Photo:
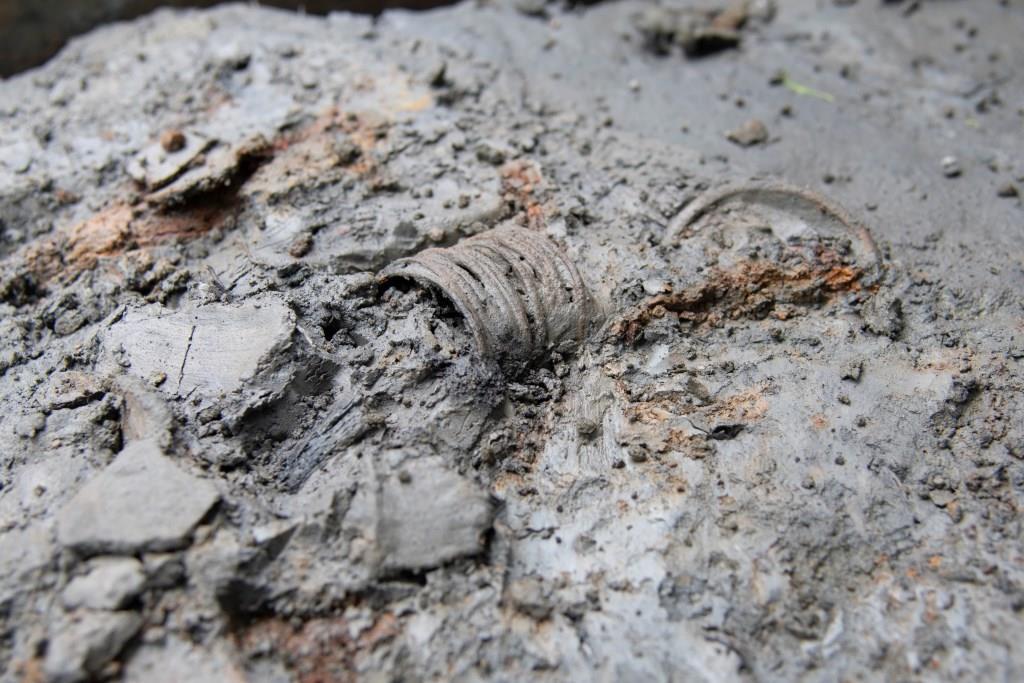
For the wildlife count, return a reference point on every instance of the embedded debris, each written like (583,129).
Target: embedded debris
(699,32)
(163,161)
(751,133)
(520,294)
(791,213)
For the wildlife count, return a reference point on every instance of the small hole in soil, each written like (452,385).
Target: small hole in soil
(331,327)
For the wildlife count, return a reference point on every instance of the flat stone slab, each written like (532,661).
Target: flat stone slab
(211,349)
(141,502)
(430,515)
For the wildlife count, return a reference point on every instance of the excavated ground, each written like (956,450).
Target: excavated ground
(229,451)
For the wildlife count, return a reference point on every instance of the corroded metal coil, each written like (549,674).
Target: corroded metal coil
(519,293)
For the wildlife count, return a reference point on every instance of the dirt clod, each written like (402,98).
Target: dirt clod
(751,133)
(172,140)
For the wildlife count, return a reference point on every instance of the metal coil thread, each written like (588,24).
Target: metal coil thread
(519,293)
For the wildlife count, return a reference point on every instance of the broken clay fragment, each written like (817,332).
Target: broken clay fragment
(141,502)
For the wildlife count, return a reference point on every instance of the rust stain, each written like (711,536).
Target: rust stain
(114,231)
(104,233)
(320,650)
(748,405)
(650,412)
(690,445)
(334,140)
(751,290)
(819,421)
(133,223)
(656,424)
(522,184)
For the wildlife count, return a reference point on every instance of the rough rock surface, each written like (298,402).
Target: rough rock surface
(784,451)
(86,642)
(111,583)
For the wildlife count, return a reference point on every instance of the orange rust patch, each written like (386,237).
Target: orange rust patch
(293,158)
(320,650)
(114,231)
(521,183)
(105,233)
(311,154)
(746,406)
(417,104)
(649,412)
(690,445)
(30,671)
(365,130)
(819,421)
(753,289)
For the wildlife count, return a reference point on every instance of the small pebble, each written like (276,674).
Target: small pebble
(172,140)
(301,245)
(638,454)
(1009,191)
(751,133)
(951,166)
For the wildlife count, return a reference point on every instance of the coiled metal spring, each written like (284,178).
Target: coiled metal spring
(519,293)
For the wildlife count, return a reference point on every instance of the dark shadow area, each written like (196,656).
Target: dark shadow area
(32,31)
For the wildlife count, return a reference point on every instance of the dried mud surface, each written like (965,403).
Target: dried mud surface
(230,451)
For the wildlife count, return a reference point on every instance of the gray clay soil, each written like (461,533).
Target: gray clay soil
(779,448)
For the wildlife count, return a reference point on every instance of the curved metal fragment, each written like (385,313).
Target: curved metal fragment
(518,292)
(788,208)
